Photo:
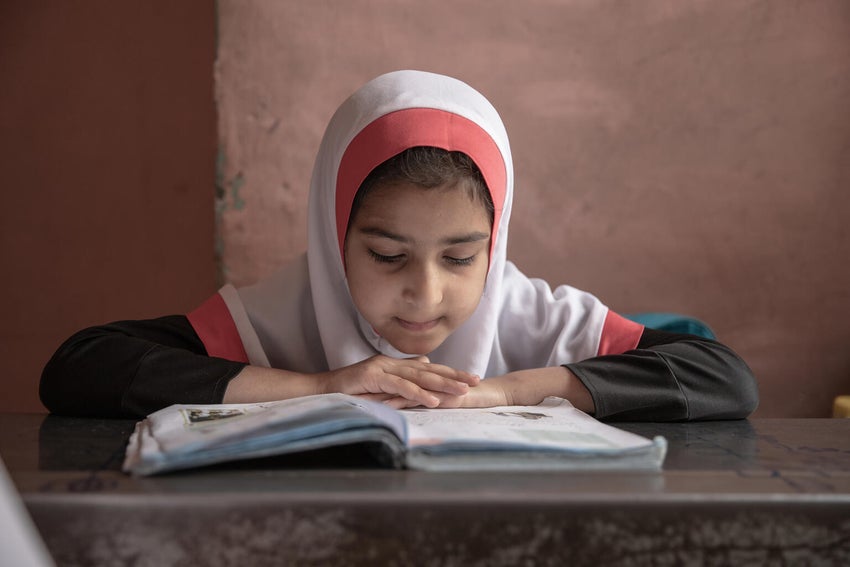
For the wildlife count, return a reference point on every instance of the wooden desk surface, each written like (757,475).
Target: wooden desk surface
(734,492)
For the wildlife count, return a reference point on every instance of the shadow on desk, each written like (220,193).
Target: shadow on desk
(709,445)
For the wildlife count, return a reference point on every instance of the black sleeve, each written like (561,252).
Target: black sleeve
(133,368)
(670,377)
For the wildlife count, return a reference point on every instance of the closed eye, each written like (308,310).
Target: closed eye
(385,259)
(460,261)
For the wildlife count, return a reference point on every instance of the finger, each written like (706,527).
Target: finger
(450,401)
(395,402)
(431,381)
(453,373)
(397,385)
(401,403)
(438,378)
(421,363)
(377,397)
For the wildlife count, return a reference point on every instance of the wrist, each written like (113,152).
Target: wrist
(530,387)
(322,383)
(260,384)
(577,393)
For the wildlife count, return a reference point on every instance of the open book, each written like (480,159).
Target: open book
(552,435)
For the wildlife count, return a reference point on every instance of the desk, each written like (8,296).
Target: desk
(760,492)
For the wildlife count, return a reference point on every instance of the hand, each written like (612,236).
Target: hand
(523,388)
(489,393)
(399,383)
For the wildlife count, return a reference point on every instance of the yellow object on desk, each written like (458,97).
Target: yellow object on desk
(841,407)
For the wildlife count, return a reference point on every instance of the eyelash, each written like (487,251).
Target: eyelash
(382,259)
(460,261)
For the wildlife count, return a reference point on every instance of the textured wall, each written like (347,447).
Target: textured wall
(675,156)
(107,153)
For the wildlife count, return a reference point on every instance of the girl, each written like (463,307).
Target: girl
(405,295)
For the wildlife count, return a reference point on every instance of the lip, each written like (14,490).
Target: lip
(417,326)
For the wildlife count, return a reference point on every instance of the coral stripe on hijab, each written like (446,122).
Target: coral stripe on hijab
(303,318)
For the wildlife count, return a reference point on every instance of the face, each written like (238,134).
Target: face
(416,262)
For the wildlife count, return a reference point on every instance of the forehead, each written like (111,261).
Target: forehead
(408,207)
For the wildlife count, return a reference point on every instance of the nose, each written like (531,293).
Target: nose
(423,286)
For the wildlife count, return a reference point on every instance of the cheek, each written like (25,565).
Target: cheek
(358,288)
(472,289)
(366,288)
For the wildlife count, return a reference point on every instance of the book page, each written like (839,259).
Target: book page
(554,424)
(195,426)
(181,436)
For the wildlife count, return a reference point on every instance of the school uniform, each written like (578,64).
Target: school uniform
(304,320)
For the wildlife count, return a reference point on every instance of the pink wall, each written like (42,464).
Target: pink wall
(107,146)
(690,157)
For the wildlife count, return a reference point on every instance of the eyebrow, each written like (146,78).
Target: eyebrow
(475,236)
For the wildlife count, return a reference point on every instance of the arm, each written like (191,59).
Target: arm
(668,377)
(132,368)
(524,388)
(400,383)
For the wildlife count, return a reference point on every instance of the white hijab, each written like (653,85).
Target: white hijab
(303,318)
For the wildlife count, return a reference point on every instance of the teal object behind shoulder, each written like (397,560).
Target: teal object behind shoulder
(673,323)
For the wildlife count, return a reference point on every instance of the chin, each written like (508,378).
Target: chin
(416,348)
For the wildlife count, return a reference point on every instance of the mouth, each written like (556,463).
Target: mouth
(417,326)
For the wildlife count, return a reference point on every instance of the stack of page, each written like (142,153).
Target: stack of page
(551,436)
